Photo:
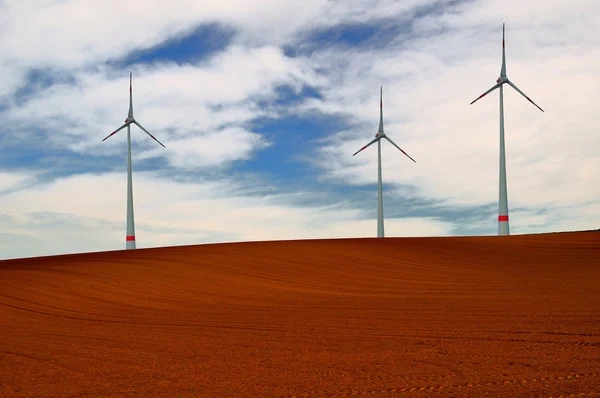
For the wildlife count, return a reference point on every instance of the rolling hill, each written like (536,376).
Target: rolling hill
(452,316)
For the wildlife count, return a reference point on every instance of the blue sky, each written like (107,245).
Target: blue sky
(261,107)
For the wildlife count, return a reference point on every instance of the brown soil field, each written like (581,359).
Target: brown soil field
(447,317)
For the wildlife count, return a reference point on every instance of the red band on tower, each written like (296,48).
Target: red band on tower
(130,238)
(502,218)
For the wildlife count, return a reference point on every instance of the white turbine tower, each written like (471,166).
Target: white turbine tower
(503,227)
(130,237)
(380,134)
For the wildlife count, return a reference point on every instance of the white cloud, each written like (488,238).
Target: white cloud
(13,77)
(580,217)
(196,111)
(394,227)
(8,180)
(25,234)
(87,213)
(69,34)
(428,82)
(212,149)
(17,180)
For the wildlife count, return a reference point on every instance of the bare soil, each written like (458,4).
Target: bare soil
(448,317)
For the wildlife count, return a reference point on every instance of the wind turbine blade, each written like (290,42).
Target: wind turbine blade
(486,93)
(523,94)
(381,110)
(394,144)
(115,132)
(365,147)
(503,70)
(146,131)
(130,96)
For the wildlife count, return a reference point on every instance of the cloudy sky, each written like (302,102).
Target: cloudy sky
(261,105)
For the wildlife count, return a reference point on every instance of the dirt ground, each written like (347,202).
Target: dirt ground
(448,317)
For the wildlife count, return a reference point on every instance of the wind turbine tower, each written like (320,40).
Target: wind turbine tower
(130,236)
(503,227)
(380,134)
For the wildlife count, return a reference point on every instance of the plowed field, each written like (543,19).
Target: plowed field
(465,316)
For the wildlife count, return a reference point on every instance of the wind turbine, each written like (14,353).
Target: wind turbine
(380,134)
(503,227)
(130,237)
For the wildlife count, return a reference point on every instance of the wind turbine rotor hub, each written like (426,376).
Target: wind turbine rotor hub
(502,79)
